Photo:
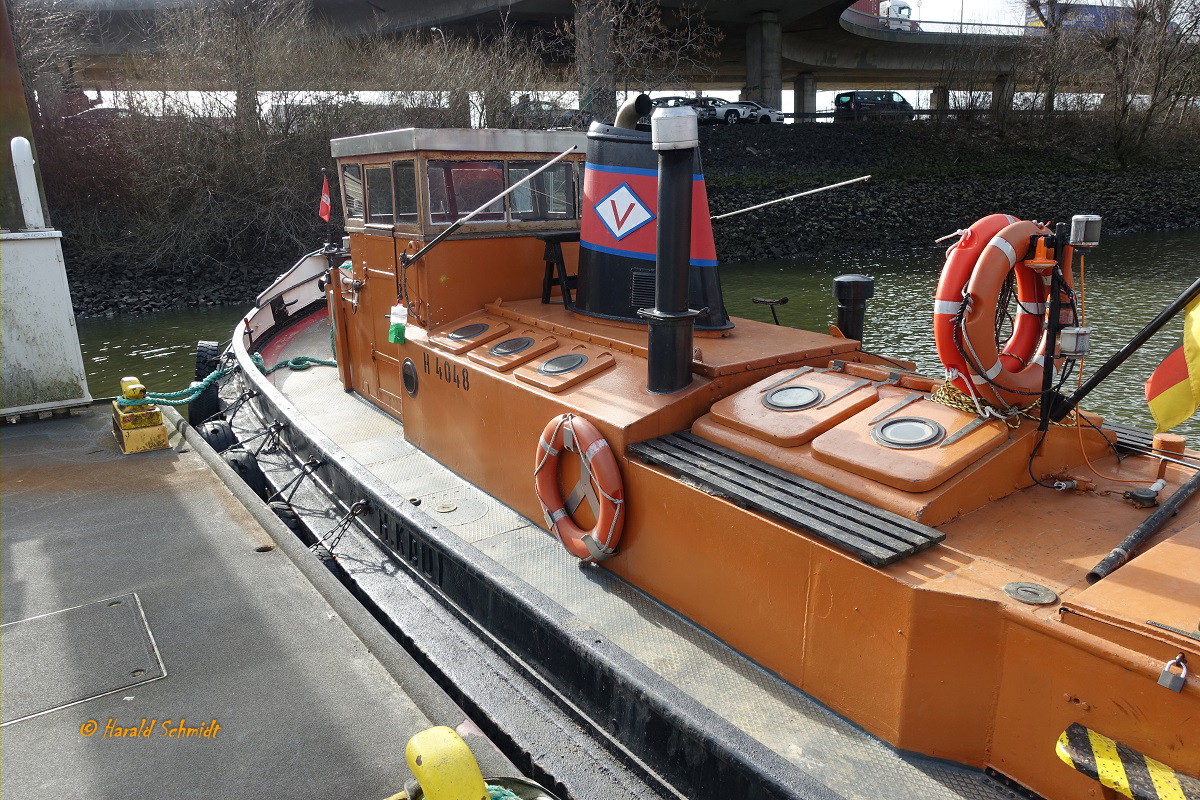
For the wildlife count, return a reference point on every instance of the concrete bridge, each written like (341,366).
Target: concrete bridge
(769,45)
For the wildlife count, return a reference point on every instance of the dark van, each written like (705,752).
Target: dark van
(849,106)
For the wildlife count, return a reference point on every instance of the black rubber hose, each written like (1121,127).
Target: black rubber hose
(1150,525)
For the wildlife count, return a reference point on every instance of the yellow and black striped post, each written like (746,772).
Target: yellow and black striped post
(1122,768)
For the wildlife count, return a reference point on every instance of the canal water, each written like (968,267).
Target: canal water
(1128,280)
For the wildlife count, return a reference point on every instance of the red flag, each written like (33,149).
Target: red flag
(325,209)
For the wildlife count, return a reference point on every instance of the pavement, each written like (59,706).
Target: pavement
(140,596)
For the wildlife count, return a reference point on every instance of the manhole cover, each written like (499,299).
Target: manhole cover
(1032,593)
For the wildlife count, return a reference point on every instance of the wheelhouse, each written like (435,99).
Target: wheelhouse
(403,188)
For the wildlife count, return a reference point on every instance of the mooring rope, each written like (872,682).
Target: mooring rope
(185,396)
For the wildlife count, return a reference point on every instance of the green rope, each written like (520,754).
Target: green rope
(297,363)
(500,793)
(185,396)
(180,398)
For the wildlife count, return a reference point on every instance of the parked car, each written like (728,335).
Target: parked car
(849,106)
(735,111)
(705,113)
(711,105)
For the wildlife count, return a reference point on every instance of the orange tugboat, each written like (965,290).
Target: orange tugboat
(719,539)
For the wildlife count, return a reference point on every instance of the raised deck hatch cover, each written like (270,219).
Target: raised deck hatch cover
(65,657)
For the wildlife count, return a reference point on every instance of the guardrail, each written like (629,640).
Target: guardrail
(913,26)
(952,113)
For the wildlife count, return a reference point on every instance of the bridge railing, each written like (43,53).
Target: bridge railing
(913,26)
(964,114)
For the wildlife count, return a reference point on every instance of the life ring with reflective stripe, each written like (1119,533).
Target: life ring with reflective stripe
(960,261)
(599,484)
(1008,375)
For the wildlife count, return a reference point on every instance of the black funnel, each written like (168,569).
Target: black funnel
(619,229)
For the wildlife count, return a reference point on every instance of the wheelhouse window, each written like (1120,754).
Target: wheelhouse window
(405,180)
(352,190)
(456,188)
(379,196)
(549,196)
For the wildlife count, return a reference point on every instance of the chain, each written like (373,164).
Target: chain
(950,395)
(325,545)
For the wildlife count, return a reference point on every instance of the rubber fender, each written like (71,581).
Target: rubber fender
(247,469)
(206,406)
(218,433)
(444,766)
(208,357)
(286,514)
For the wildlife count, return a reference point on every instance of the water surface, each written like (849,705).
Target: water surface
(1127,281)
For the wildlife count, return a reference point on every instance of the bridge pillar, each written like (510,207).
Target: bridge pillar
(593,35)
(1003,89)
(805,88)
(939,98)
(764,59)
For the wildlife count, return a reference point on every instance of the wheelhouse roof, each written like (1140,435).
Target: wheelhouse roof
(465,140)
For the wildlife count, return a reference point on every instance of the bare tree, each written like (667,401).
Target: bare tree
(1148,59)
(1048,57)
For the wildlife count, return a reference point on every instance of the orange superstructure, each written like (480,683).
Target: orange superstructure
(829,514)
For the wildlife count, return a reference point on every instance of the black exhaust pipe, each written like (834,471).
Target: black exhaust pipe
(674,135)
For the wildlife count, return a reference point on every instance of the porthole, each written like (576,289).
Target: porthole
(560,365)
(510,347)
(408,376)
(907,433)
(467,331)
(793,398)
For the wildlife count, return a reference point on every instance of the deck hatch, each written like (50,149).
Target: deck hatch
(65,657)
(907,433)
(793,398)
(876,536)
(563,364)
(510,347)
(467,331)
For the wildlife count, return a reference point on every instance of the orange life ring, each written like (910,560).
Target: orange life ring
(960,261)
(599,483)
(1008,376)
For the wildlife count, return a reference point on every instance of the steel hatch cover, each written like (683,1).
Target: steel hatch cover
(56,660)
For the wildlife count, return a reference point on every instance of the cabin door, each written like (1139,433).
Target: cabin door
(374,361)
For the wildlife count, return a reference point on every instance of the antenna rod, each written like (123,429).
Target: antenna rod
(406,259)
(789,197)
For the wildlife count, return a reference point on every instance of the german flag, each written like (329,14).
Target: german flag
(1173,391)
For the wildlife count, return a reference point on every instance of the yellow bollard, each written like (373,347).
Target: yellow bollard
(444,766)
(139,429)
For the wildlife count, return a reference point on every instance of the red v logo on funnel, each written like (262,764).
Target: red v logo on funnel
(620,218)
